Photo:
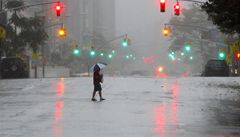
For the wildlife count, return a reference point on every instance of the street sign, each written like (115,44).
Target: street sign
(2,32)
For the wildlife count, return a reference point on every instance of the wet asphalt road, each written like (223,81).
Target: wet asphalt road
(135,107)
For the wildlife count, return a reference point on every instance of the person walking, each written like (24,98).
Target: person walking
(97,80)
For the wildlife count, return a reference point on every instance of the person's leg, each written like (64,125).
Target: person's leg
(100,93)
(94,93)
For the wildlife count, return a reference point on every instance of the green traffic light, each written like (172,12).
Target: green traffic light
(125,43)
(110,56)
(76,51)
(187,48)
(171,55)
(191,58)
(92,53)
(221,55)
(101,54)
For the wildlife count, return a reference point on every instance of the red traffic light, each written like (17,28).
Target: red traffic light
(237,55)
(58,8)
(177,9)
(162,5)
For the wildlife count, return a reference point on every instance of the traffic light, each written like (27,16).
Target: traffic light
(61,32)
(58,8)
(92,53)
(187,48)
(182,53)
(221,55)
(125,42)
(165,31)
(171,55)
(191,57)
(110,56)
(237,55)
(162,5)
(101,54)
(76,51)
(177,9)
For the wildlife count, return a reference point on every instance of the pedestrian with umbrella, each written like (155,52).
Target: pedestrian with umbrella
(97,80)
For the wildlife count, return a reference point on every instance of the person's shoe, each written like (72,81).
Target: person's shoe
(93,99)
(101,99)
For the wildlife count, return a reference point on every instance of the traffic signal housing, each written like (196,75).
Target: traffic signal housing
(92,53)
(58,9)
(125,42)
(187,48)
(237,55)
(162,5)
(165,31)
(62,32)
(221,55)
(177,9)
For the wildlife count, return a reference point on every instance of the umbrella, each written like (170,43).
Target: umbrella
(98,66)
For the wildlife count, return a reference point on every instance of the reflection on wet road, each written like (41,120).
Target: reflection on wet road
(59,105)
(197,111)
(167,112)
(135,107)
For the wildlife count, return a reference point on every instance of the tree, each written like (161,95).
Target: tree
(188,29)
(22,31)
(225,14)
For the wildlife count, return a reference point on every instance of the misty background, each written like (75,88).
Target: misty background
(91,24)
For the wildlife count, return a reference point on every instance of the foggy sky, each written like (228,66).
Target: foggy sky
(143,22)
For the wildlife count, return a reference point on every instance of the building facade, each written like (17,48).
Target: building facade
(88,18)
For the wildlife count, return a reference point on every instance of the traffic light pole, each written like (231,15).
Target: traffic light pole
(43,49)
(28,6)
(188,26)
(116,38)
(195,1)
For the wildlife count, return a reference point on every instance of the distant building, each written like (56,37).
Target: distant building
(90,17)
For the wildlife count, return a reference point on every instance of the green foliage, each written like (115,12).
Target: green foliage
(188,27)
(22,30)
(225,14)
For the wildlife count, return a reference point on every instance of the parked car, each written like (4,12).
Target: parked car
(216,67)
(14,67)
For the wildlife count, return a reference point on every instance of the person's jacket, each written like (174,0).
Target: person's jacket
(97,78)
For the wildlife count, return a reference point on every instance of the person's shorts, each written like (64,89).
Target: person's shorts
(97,87)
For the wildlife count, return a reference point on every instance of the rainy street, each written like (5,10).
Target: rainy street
(134,107)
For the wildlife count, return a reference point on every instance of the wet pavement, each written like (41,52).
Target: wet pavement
(135,107)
